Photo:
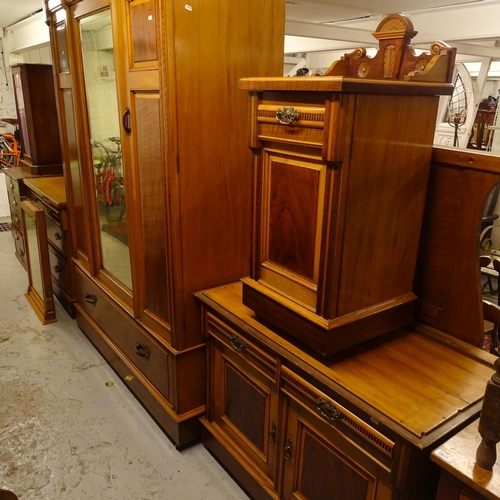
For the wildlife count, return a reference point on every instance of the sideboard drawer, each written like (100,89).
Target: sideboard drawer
(56,235)
(19,244)
(13,199)
(306,129)
(145,353)
(58,269)
(12,186)
(266,363)
(373,442)
(15,216)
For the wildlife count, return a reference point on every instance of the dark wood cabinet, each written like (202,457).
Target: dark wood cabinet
(37,118)
(341,164)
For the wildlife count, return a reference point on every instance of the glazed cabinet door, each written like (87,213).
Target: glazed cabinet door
(244,399)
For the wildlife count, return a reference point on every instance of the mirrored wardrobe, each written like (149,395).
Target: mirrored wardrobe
(158,176)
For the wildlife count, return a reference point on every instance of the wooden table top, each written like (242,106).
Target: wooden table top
(419,385)
(50,189)
(458,457)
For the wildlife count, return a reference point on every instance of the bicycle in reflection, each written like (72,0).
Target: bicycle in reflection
(10,152)
(109,179)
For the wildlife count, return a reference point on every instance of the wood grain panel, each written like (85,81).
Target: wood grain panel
(386,195)
(245,406)
(152,194)
(325,475)
(143,30)
(448,276)
(293,214)
(214,162)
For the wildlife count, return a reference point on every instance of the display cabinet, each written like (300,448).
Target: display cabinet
(341,163)
(37,118)
(157,175)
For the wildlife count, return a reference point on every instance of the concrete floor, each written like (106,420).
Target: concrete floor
(65,434)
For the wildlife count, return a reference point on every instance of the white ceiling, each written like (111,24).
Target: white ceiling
(320,25)
(13,11)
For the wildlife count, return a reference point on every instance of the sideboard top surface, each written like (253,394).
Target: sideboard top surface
(420,384)
(51,189)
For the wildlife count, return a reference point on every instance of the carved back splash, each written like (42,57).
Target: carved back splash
(396,58)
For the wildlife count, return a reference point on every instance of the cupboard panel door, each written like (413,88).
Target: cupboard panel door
(292,221)
(245,408)
(316,468)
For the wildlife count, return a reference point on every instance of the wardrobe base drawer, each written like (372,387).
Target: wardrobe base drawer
(144,352)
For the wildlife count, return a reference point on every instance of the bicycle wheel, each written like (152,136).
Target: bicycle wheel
(114,210)
(7,159)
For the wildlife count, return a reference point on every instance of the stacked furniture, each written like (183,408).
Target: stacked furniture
(329,375)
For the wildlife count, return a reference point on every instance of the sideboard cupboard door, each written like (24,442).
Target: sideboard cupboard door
(244,400)
(315,467)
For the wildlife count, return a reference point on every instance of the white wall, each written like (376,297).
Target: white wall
(28,42)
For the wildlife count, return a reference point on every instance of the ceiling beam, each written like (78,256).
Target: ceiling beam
(328,32)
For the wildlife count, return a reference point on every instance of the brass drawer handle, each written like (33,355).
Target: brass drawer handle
(16,220)
(58,269)
(16,237)
(238,343)
(91,299)
(327,410)
(58,236)
(142,351)
(14,202)
(287,115)
(11,186)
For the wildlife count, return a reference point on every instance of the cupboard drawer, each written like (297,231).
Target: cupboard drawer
(334,414)
(58,268)
(13,200)
(15,216)
(145,353)
(266,363)
(56,235)
(12,186)
(306,129)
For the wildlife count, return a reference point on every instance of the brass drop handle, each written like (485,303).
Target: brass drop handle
(142,351)
(327,410)
(287,452)
(17,220)
(272,433)
(91,299)
(58,236)
(16,237)
(11,186)
(287,115)
(58,268)
(238,343)
(14,202)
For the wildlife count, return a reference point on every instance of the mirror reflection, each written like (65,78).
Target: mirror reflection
(102,106)
(33,255)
